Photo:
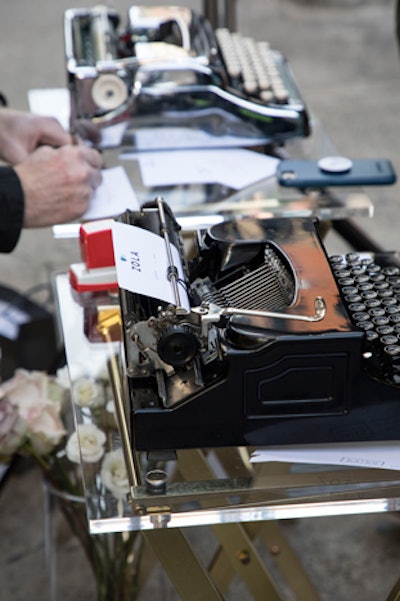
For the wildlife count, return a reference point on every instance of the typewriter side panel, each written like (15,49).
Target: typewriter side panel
(357,411)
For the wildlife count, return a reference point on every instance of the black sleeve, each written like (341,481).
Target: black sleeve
(11,209)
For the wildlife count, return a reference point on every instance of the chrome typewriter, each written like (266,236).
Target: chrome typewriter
(167,68)
(268,341)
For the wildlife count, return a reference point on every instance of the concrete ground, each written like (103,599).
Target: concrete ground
(346,61)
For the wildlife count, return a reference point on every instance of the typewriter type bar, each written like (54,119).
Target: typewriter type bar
(275,349)
(168,68)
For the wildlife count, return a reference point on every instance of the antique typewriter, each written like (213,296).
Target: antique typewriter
(268,341)
(168,68)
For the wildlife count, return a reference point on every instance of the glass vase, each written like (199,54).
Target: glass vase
(84,566)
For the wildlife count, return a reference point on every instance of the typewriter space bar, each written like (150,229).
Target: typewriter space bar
(319,305)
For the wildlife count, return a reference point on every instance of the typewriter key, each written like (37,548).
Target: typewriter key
(389,301)
(381,285)
(361,278)
(391,270)
(376,312)
(352,256)
(365,325)
(380,321)
(385,293)
(389,339)
(357,307)
(392,309)
(353,298)
(346,281)
(364,286)
(369,294)
(385,330)
(361,316)
(372,302)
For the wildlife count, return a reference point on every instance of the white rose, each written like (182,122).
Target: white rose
(87,393)
(87,441)
(113,474)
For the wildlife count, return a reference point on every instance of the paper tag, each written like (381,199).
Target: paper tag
(142,264)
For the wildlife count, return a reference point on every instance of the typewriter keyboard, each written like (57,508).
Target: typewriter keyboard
(252,67)
(371,293)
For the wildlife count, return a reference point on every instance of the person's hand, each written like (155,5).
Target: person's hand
(58,183)
(21,133)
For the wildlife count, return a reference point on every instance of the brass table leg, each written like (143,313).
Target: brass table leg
(237,553)
(395,592)
(191,580)
(238,549)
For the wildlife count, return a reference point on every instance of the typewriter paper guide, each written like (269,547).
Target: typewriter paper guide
(142,264)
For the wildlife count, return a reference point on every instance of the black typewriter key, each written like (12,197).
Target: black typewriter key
(361,316)
(385,330)
(392,351)
(385,293)
(357,307)
(371,303)
(346,281)
(376,312)
(389,301)
(391,355)
(380,321)
(352,257)
(364,286)
(392,309)
(357,270)
(391,270)
(342,273)
(381,285)
(335,259)
(360,279)
(379,277)
(371,335)
(389,339)
(394,280)
(369,294)
(365,325)
(353,298)
(395,319)
(350,290)
(373,268)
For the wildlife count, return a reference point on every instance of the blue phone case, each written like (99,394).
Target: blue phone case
(308,174)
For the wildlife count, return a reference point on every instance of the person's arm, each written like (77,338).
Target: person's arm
(11,209)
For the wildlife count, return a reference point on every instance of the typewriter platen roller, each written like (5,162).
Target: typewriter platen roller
(278,346)
(168,68)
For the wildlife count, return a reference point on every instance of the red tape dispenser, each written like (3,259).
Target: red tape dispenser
(97,271)
(94,281)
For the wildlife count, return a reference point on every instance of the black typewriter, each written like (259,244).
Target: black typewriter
(167,68)
(280,345)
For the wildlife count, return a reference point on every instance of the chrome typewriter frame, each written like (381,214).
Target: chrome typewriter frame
(113,83)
